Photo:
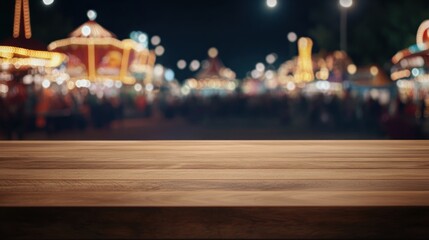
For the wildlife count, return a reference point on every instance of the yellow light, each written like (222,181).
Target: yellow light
(30,57)
(143,62)
(91,61)
(374,71)
(125,61)
(324,73)
(213,52)
(352,69)
(304,71)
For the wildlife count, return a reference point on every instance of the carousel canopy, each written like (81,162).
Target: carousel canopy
(95,54)
(215,69)
(91,29)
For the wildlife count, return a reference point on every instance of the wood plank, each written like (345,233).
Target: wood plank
(216,174)
(72,163)
(228,151)
(78,185)
(216,199)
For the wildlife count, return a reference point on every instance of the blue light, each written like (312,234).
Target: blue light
(169,75)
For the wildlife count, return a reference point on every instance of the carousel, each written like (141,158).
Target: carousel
(213,79)
(411,67)
(102,63)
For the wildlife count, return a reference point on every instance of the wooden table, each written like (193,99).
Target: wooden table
(215,190)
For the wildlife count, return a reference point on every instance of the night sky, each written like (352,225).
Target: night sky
(244,31)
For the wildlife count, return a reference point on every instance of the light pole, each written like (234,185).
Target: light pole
(345,5)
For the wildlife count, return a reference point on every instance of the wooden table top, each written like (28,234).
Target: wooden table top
(214,174)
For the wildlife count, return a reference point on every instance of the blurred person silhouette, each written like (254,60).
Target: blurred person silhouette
(14,106)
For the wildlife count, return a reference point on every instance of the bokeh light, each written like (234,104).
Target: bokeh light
(181,64)
(92,15)
(272,3)
(213,52)
(48,2)
(292,37)
(346,3)
(156,40)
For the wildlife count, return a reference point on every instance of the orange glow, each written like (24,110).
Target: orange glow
(125,60)
(17,20)
(91,60)
(422,33)
(22,6)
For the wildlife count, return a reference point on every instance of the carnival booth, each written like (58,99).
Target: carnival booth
(411,67)
(213,79)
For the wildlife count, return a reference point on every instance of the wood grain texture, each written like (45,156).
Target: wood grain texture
(203,174)
(250,189)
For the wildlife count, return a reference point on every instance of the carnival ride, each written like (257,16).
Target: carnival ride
(411,67)
(25,60)
(98,58)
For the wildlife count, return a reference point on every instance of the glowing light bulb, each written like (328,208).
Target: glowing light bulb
(292,37)
(159,51)
(92,15)
(149,87)
(195,65)
(48,2)
(374,71)
(86,31)
(156,40)
(181,64)
(346,3)
(272,3)
(271,58)
(138,87)
(46,83)
(352,69)
(213,52)
(260,67)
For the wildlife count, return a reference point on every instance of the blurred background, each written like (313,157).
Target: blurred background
(214,70)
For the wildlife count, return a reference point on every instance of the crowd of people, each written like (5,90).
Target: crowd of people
(23,111)
(397,120)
